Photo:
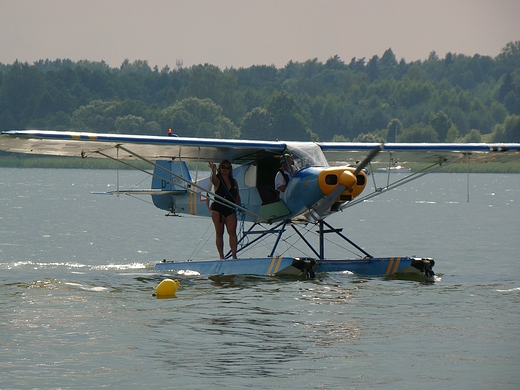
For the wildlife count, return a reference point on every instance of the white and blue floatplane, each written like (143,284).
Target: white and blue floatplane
(315,189)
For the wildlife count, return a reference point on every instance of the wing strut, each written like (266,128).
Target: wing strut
(408,178)
(192,184)
(467,183)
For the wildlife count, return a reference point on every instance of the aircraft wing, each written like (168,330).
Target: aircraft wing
(341,153)
(66,143)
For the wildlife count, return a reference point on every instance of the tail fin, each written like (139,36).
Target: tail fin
(165,181)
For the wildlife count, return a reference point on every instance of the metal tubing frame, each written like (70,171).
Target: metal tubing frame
(262,234)
(338,232)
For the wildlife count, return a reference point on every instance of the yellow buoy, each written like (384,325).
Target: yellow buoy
(167,288)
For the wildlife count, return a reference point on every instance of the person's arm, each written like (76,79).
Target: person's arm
(279,182)
(214,179)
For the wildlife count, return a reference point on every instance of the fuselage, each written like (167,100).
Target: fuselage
(307,186)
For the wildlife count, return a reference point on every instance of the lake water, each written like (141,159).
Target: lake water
(77,311)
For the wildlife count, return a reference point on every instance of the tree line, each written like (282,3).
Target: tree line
(457,98)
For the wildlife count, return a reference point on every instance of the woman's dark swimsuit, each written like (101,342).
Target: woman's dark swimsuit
(228,194)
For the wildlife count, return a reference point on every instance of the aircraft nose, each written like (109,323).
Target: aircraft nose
(330,178)
(347,178)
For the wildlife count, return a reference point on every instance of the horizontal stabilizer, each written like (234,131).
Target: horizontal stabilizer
(140,192)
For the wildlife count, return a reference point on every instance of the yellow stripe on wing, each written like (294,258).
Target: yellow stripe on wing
(78,136)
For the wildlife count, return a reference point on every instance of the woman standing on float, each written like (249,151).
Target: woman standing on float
(223,215)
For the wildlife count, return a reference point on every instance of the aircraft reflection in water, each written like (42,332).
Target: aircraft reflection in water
(315,190)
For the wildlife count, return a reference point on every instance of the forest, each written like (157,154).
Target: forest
(457,98)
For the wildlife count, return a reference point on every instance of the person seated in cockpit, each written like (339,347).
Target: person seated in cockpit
(284,174)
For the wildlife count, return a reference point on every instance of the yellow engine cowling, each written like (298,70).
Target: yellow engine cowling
(329,178)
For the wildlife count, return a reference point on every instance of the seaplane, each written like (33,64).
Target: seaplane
(327,178)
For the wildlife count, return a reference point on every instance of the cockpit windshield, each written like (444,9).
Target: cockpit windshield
(306,155)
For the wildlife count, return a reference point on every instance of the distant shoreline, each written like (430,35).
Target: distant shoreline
(53,162)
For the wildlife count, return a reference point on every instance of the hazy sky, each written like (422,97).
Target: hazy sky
(234,33)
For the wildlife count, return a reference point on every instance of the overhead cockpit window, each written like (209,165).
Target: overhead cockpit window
(306,155)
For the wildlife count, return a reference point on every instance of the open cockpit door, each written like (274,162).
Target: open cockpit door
(258,180)
(266,169)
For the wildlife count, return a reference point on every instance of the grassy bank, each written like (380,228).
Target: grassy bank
(28,161)
(16,161)
(490,167)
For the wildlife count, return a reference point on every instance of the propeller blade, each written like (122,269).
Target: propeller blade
(324,205)
(368,158)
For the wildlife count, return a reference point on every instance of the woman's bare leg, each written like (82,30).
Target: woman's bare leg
(219,232)
(231,227)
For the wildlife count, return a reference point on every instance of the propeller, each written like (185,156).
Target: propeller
(373,153)
(321,207)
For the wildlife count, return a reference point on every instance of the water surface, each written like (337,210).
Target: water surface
(77,311)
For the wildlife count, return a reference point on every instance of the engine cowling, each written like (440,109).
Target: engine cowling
(330,178)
